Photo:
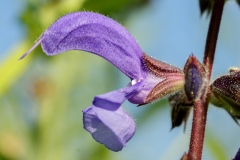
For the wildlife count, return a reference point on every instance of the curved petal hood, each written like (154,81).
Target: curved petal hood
(97,34)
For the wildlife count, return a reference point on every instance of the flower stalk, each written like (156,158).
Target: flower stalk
(201,104)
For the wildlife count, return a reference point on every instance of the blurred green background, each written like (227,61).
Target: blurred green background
(41,98)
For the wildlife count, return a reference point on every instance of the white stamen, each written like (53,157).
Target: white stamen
(134,81)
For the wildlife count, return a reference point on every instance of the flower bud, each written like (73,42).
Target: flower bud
(194,77)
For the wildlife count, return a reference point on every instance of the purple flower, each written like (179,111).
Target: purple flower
(106,120)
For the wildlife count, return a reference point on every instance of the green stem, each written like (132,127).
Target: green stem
(201,105)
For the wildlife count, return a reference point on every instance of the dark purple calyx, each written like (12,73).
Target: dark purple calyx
(226,90)
(173,78)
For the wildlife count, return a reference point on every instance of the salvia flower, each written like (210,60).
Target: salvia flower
(150,79)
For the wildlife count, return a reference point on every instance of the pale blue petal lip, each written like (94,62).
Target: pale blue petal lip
(113,130)
(107,122)
(98,34)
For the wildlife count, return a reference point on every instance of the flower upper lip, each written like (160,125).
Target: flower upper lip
(97,34)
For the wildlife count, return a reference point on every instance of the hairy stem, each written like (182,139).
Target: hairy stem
(201,105)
